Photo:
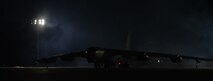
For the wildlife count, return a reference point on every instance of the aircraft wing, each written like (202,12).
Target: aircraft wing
(145,55)
(63,57)
(95,52)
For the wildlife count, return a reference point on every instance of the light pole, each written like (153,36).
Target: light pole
(39,24)
(37,57)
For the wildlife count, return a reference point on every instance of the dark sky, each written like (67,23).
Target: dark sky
(167,26)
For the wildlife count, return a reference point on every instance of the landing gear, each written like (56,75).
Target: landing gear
(104,65)
(111,65)
(99,65)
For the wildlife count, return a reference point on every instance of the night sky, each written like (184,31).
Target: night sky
(167,26)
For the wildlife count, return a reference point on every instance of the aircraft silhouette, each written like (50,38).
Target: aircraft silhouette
(114,58)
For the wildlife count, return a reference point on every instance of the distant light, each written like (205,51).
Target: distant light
(42,21)
(120,62)
(158,60)
(39,21)
(35,21)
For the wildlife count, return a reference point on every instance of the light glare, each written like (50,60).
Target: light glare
(39,21)
(158,60)
(35,21)
(42,22)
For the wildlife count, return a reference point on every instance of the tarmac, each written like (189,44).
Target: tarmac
(91,74)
